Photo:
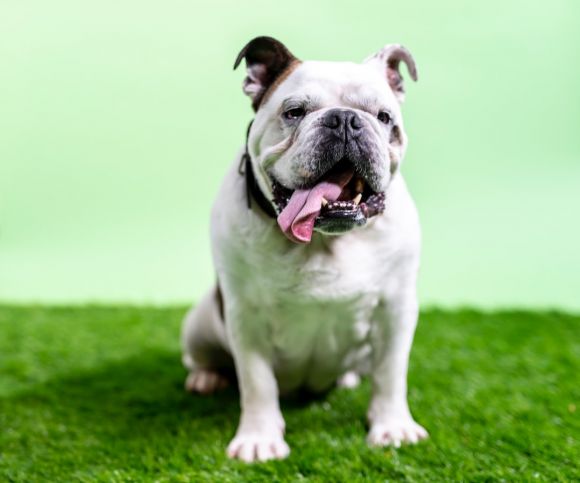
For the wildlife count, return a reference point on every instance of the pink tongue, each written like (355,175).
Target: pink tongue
(297,219)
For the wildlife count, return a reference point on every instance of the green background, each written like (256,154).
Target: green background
(119,118)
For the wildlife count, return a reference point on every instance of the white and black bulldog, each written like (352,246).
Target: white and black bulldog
(316,245)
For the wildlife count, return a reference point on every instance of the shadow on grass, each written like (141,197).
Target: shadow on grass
(133,416)
(128,398)
(137,398)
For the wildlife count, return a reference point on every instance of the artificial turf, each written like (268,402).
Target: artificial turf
(95,394)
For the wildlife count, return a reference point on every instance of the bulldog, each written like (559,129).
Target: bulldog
(316,244)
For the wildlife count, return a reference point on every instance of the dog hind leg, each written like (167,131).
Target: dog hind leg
(349,380)
(205,347)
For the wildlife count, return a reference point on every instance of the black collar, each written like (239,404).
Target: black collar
(252,188)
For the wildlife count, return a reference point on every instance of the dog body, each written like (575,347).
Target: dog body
(327,293)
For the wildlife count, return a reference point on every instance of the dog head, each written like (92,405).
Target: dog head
(327,137)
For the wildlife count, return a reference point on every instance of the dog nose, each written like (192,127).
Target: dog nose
(342,121)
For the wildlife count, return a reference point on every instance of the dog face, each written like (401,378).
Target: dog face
(327,137)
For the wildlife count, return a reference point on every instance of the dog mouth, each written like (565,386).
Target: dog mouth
(339,201)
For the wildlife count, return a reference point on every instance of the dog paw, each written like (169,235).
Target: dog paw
(348,380)
(394,432)
(205,381)
(258,446)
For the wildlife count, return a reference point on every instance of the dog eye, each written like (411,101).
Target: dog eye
(295,113)
(384,117)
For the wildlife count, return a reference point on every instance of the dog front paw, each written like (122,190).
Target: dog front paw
(396,431)
(252,446)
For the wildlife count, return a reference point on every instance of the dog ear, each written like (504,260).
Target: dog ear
(388,59)
(266,58)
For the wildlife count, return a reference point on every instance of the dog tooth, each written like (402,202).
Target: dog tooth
(357,199)
(324,201)
(359,185)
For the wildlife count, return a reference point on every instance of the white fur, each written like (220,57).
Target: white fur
(305,315)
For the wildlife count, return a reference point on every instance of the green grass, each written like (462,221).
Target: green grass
(95,394)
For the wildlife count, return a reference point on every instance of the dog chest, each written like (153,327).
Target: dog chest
(315,341)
